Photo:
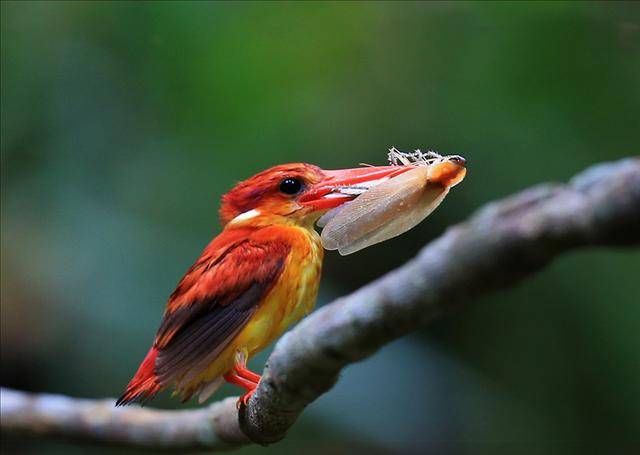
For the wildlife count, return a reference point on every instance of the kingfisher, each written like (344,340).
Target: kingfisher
(257,277)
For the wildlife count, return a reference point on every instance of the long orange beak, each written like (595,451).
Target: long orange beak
(344,185)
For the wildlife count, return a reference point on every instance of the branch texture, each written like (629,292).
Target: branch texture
(501,244)
(44,415)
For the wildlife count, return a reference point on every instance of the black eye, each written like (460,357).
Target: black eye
(458,160)
(290,186)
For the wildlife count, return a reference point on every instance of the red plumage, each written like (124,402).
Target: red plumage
(213,300)
(144,384)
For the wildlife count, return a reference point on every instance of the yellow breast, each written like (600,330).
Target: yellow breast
(292,297)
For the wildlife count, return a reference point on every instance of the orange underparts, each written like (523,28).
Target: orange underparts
(241,376)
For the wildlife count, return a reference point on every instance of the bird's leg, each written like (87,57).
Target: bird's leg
(240,367)
(245,373)
(232,378)
(241,376)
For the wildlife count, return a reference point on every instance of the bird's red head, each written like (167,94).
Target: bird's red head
(300,192)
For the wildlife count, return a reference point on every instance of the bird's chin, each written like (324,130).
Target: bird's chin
(310,216)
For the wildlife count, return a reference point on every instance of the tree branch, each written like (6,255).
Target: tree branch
(501,244)
(56,416)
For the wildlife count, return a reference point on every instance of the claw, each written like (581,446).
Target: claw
(244,399)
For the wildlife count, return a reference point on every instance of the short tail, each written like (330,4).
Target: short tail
(144,384)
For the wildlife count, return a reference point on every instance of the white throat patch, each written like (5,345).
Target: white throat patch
(246,216)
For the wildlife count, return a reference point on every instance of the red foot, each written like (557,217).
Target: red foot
(246,373)
(233,378)
(241,376)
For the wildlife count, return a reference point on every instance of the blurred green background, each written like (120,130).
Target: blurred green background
(123,124)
